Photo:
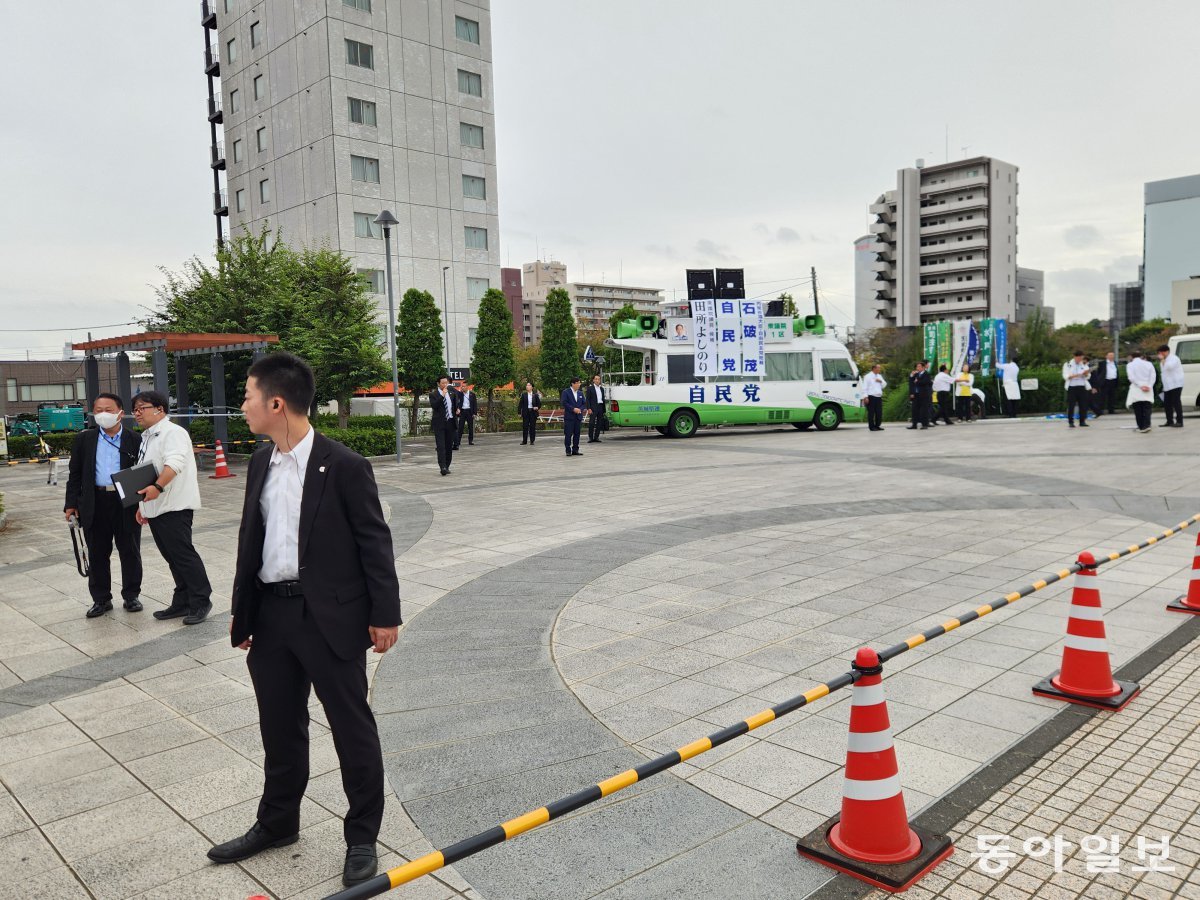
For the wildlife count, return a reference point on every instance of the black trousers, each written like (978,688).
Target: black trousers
(113,523)
(444,432)
(529,425)
(1110,394)
(920,409)
(874,412)
(466,423)
(1173,404)
(944,407)
(572,427)
(964,408)
(1078,398)
(1010,406)
(1141,412)
(289,655)
(172,533)
(597,419)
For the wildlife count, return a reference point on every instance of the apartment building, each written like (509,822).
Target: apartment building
(334,110)
(592,303)
(1171,240)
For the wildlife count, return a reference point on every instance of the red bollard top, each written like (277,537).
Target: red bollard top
(1087,560)
(866,658)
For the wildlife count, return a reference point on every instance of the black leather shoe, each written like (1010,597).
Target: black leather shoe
(254,841)
(445,471)
(99,609)
(576,453)
(171,612)
(361,863)
(199,616)
(134,605)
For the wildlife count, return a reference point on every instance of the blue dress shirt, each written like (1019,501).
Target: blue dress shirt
(108,457)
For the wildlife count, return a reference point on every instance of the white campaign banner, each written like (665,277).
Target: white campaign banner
(961,343)
(729,333)
(753,332)
(704,320)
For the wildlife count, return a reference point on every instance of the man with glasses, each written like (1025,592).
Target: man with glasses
(169,505)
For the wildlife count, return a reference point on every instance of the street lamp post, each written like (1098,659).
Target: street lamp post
(387,220)
(446,312)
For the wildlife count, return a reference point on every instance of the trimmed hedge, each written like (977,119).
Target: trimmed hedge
(365,441)
(25,446)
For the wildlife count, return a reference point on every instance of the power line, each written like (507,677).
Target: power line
(74,328)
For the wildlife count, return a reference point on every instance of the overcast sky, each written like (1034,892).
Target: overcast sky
(635,139)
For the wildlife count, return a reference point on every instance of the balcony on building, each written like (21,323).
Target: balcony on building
(881,266)
(879,209)
(220,204)
(955,287)
(954,184)
(979,201)
(880,228)
(980,264)
(956,246)
(208,13)
(884,290)
(217,154)
(215,114)
(888,253)
(212,60)
(949,227)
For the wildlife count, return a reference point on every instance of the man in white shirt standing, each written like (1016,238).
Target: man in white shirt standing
(1110,381)
(943,389)
(1009,373)
(1075,376)
(873,385)
(169,504)
(1140,399)
(1172,382)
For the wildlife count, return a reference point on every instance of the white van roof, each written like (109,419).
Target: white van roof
(800,342)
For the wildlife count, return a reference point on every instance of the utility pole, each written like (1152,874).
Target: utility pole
(816,302)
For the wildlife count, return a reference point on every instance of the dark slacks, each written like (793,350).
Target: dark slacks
(1141,413)
(113,523)
(1078,398)
(874,412)
(572,428)
(595,422)
(964,408)
(172,533)
(945,406)
(1110,394)
(289,655)
(444,431)
(1173,405)
(920,409)
(529,425)
(466,423)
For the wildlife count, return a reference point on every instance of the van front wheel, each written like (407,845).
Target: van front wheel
(827,417)
(683,424)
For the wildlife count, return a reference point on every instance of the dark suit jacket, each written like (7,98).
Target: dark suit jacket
(523,404)
(81,480)
(569,404)
(348,573)
(438,405)
(593,400)
(462,403)
(921,384)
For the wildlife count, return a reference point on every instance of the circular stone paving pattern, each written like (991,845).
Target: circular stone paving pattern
(677,644)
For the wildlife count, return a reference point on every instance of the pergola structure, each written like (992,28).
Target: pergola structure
(157,344)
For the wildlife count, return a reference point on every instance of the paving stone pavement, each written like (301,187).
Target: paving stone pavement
(567,619)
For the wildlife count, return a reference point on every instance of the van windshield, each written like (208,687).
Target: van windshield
(837,369)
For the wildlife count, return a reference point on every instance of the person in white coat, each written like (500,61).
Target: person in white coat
(1009,373)
(1140,398)
(1172,382)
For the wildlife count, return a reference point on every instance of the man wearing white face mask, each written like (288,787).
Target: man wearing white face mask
(96,455)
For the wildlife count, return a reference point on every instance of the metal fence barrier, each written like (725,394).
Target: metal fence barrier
(438,859)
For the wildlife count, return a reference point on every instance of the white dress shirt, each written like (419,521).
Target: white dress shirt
(1110,371)
(942,381)
(1140,372)
(1172,372)
(1075,374)
(280,504)
(874,384)
(168,444)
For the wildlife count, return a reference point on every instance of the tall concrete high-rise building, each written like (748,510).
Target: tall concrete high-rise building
(867,285)
(333,110)
(1170,241)
(947,244)
(1031,295)
(1126,305)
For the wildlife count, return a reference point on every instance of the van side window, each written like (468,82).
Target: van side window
(789,367)
(837,370)
(1188,351)
(681,368)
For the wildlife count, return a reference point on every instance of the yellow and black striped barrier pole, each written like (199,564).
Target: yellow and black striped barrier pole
(230,444)
(36,459)
(498,834)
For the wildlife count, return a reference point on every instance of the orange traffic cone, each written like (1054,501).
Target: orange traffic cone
(222,466)
(1086,673)
(872,839)
(1190,602)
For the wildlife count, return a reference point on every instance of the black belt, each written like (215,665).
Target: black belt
(283,588)
(106,488)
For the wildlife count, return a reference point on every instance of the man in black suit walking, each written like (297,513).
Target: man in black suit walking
(96,455)
(444,403)
(315,586)
(920,393)
(466,420)
(573,405)
(528,406)
(595,402)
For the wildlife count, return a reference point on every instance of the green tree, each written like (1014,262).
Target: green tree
(1036,345)
(336,328)
(560,352)
(1146,336)
(420,358)
(789,304)
(528,361)
(623,314)
(492,362)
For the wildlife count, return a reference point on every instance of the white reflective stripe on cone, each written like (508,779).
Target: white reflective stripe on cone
(871,741)
(880,789)
(1087,613)
(1094,644)
(867,695)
